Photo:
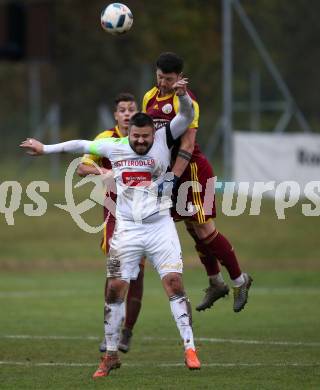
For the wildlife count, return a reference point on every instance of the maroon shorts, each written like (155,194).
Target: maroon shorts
(194,195)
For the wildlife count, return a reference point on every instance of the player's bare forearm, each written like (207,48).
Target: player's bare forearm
(188,140)
(180,166)
(185,152)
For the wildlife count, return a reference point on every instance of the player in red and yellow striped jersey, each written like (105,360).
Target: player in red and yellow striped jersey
(191,165)
(87,167)
(125,107)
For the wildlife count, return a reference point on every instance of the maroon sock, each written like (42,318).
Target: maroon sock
(217,245)
(134,298)
(209,262)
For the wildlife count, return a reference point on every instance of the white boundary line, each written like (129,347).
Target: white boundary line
(32,337)
(260,342)
(38,294)
(203,339)
(64,364)
(62,293)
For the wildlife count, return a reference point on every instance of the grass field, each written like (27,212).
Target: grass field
(51,296)
(51,325)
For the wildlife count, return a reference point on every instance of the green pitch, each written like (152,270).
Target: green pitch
(51,301)
(51,325)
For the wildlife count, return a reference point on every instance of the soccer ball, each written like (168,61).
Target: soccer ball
(116,18)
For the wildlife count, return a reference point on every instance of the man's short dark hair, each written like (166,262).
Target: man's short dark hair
(124,97)
(169,62)
(141,119)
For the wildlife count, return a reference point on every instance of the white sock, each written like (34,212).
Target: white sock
(218,278)
(238,281)
(181,315)
(114,316)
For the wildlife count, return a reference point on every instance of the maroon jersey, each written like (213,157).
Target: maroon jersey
(164,109)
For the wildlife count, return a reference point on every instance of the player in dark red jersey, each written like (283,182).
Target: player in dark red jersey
(125,107)
(190,164)
(161,103)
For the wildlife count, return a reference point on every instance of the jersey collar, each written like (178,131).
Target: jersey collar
(118,131)
(159,99)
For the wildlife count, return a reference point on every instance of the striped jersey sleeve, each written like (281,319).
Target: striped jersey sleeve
(147,97)
(195,122)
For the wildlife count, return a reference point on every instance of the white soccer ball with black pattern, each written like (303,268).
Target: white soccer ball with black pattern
(116,18)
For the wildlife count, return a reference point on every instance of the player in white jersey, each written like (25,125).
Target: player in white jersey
(144,225)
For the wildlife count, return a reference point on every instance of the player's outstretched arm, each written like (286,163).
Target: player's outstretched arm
(36,148)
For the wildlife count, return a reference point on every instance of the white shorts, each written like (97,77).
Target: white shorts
(157,240)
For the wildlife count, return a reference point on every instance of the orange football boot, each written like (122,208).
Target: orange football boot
(108,363)
(191,359)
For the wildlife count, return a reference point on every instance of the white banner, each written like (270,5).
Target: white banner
(267,157)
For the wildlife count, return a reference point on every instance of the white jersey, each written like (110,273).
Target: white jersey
(137,176)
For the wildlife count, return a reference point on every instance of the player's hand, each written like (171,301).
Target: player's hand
(32,147)
(107,175)
(180,87)
(166,187)
(106,172)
